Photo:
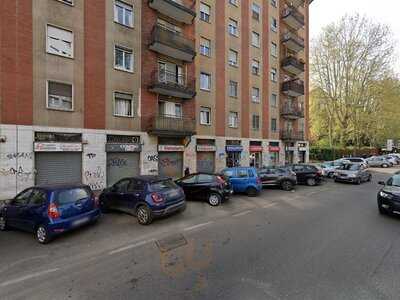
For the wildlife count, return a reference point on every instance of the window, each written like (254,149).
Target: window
(273,125)
(273,3)
(205,12)
(233,119)
(274,74)
(59,96)
(66,197)
(233,27)
(189,179)
(205,81)
(60,41)
(38,197)
(256,11)
(205,116)
(123,59)
(233,58)
(205,178)
(23,197)
(255,95)
(170,109)
(256,122)
(123,13)
(274,49)
(274,24)
(123,105)
(69,2)
(233,88)
(205,47)
(242,173)
(255,67)
(234,2)
(255,39)
(169,26)
(274,100)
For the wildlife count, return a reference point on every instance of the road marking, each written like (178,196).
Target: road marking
(26,277)
(242,213)
(197,226)
(138,244)
(270,205)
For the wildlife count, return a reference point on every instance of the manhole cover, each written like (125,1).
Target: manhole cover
(171,242)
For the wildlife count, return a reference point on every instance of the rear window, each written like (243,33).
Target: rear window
(229,173)
(355,159)
(72,195)
(162,185)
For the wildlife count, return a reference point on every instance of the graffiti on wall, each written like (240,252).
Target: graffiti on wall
(17,165)
(95,178)
(22,175)
(117,162)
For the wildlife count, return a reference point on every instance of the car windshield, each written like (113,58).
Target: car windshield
(229,173)
(162,185)
(395,180)
(350,167)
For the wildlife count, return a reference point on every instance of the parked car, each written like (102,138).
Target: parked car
(146,197)
(394,160)
(389,195)
(244,180)
(354,173)
(281,177)
(356,160)
(206,187)
(378,161)
(396,157)
(329,167)
(306,174)
(48,211)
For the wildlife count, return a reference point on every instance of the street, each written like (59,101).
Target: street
(325,242)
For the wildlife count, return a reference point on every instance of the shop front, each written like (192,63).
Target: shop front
(302,150)
(289,153)
(123,157)
(255,150)
(233,153)
(170,160)
(205,157)
(274,149)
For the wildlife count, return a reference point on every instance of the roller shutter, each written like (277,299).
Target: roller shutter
(170,164)
(120,165)
(206,162)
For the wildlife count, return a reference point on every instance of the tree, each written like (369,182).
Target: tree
(349,59)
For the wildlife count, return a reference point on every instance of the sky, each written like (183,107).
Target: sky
(323,12)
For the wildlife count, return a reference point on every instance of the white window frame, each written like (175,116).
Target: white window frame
(233,27)
(236,84)
(203,12)
(255,99)
(276,125)
(203,47)
(72,96)
(273,95)
(48,44)
(274,74)
(274,49)
(125,7)
(274,28)
(132,105)
(256,65)
(274,3)
(253,118)
(255,39)
(126,50)
(234,2)
(204,109)
(256,11)
(233,119)
(209,81)
(233,63)
(67,2)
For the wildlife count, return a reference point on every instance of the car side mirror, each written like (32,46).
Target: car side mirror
(381,183)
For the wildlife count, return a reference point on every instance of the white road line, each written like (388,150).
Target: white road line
(138,244)
(197,226)
(26,277)
(242,213)
(270,205)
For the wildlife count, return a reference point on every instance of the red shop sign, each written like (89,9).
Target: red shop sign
(255,148)
(274,149)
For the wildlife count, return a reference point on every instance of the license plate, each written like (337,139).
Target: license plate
(80,221)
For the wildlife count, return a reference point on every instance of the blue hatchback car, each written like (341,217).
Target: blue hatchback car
(145,197)
(244,180)
(49,211)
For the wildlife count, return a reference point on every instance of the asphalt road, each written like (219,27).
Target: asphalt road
(326,242)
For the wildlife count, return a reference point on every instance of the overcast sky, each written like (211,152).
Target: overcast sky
(323,12)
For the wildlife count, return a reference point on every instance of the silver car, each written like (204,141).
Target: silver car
(329,167)
(378,161)
(353,173)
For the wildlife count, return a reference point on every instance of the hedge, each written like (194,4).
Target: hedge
(327,154)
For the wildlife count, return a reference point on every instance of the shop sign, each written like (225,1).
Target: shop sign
(171,148)
(206,148)
(234,148)
(274,149)
(123,147)
(57,147)
(302,149)
(255,148)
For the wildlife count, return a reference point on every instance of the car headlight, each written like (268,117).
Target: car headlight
(352,175)
(385,195)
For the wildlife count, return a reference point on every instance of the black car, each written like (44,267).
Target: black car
(389,195)
(306,174)
(145,197)
(206,187)
(281,177)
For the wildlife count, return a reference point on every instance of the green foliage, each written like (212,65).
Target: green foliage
(328,154)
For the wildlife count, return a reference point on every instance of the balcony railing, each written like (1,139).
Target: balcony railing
(292,65)
(172,43)
(175,10)
(167,125)
(172,84)
(292,135)
(293,18)
(296,3)
(293,88)
(293,41)
(292,111)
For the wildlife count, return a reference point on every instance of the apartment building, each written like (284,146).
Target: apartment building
(96,90)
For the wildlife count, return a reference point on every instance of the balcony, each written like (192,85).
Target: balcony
(293,18)
(292,135)
(291,111)
(172,126)
(296,3)
(172,44)
(293,42)
(292,65)
(172,84)
(293,88)
(175,10)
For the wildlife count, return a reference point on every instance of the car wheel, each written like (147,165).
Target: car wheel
(358,181)
(3,223)
(214,199)
(330,175)
(251,191)
(287,185)
(311,182)
(42,235)
(144,215)
(385,166)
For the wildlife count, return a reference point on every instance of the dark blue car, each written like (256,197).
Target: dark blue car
(49,211)
(244,180)
(146,197)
